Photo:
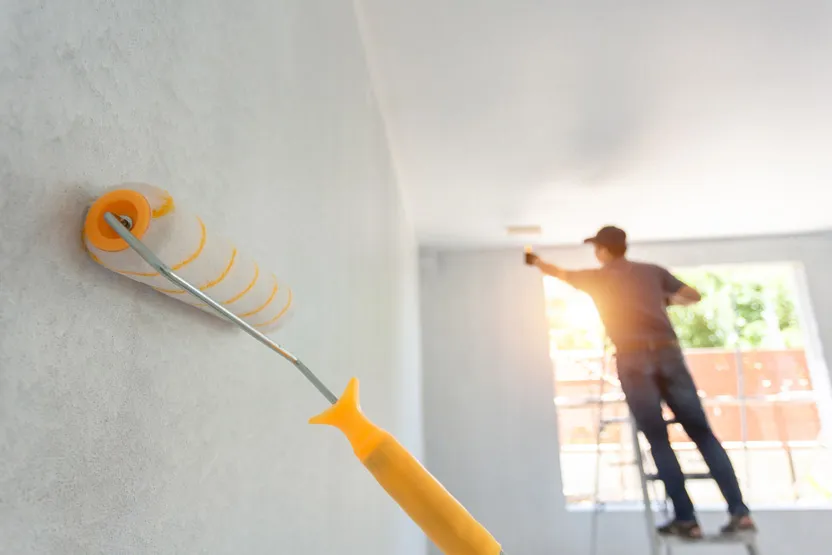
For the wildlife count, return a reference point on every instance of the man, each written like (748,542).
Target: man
(632,300)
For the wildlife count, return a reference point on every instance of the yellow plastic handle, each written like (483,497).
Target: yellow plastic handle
(442,518)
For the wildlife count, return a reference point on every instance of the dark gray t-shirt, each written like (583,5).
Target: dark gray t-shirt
(631,298)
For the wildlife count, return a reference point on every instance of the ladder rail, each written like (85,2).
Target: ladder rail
(649,517)
(596,496)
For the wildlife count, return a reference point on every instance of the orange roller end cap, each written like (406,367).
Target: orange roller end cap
(125,203)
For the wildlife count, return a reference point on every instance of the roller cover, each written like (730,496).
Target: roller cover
(182,240)
(441,517)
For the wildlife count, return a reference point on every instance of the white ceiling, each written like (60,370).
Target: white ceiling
(670,119)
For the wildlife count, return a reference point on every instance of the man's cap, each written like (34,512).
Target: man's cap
(608,236)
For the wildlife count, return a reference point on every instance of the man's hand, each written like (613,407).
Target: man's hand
(686,296)
(549,269)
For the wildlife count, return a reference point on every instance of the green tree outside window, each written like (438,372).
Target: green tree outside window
(749,307)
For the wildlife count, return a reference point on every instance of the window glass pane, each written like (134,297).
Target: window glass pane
(812,465)
(714,371)
(768,372)
(779,422)
(770,477)
(725,421)
(618,479)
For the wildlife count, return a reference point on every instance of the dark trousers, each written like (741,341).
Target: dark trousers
(650,377)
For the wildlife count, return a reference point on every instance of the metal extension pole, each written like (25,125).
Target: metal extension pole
(142,250)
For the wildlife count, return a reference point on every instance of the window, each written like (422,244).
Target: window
(761,385)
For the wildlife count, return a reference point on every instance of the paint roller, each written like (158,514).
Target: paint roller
(214,264)
(132,228)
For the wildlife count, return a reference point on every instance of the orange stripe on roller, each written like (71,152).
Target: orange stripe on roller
(239,295)
(169,291)
(182,264)
(185,262)
(204,286)
(279,314)
(264,305)
(140,274)
(214,282)
(195,255)
(101,263)
(166,208)
(236,297)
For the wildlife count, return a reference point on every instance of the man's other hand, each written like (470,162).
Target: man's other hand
(686,296)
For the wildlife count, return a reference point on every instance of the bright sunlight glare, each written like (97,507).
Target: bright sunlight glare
(571,311)
(581,312)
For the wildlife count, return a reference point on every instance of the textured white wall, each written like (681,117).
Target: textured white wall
(130,423)
(488,384)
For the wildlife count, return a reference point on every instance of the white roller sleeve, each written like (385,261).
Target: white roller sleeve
(213,264)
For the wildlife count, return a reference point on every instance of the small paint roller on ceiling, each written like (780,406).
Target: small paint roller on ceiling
(526,231)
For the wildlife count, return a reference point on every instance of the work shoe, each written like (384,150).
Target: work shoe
(739,524)
(685,529)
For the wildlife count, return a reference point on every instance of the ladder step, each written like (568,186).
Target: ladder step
(626,419)
(691,476)
(742,539)
(615,420)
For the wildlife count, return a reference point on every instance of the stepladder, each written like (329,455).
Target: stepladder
(654,501)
